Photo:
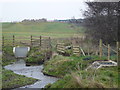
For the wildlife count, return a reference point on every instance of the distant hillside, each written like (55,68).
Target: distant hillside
(52,29)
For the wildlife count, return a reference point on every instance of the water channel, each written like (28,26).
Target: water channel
(19,67)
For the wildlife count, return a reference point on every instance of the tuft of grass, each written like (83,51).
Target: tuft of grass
(12,80)
(90,79)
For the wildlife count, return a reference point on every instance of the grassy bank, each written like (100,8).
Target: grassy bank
(12,80)
(103,78)
(72,71)
(36,56)
(7,55)
(60,65)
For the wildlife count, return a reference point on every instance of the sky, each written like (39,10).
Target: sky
(17,10)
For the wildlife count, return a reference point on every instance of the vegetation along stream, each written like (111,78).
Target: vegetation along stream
(20,68)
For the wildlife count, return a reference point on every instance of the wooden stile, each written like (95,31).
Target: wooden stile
(76,50)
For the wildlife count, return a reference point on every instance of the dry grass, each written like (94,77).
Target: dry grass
(85,80)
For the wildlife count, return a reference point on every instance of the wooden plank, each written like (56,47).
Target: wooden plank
(82,51)
(76,48)
(62,51)
(110,48)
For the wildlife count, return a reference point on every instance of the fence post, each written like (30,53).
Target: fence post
(31,40)
(13,40)
(3,41)
(100,48)
(117,50)
(50,43)
(108,51)
(40,40)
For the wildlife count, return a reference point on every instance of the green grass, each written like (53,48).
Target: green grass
(52,29)
(60,65)
(72,71)
(7,55)
(103,78)
(12,80)
(36,56)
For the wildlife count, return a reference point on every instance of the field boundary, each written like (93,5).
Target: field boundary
(31,41)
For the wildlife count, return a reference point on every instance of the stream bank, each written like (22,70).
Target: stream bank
(19,67)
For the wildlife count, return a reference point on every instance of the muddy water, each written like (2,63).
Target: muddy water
(20,68)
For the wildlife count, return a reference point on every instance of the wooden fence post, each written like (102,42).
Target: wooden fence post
(100,48)
(3,41)
(117,51)
(31,40)
(13,40)
(50,43)
(40,40)
(108,51)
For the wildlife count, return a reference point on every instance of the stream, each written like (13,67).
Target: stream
(19,67)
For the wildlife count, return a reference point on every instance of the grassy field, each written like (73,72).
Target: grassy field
(52,29)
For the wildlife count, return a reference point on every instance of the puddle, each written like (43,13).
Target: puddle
(20,68)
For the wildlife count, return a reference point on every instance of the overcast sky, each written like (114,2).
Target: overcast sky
(17,10)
